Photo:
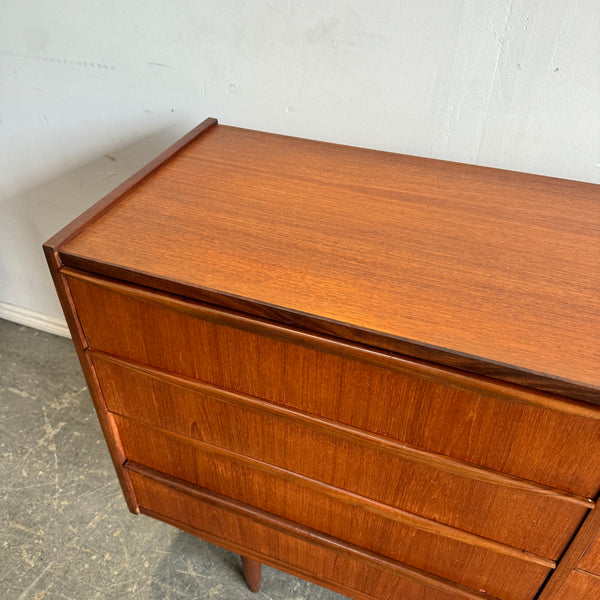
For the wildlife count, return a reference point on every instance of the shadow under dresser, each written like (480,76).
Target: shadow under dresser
(376,372)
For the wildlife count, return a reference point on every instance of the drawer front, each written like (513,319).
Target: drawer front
(579,586)
(354,386)
(590,561)
(451,554)
(344,569)
(423,484)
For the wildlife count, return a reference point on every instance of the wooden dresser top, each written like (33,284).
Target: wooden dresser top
(486,270)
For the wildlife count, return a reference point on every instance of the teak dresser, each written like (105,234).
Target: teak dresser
(377,372)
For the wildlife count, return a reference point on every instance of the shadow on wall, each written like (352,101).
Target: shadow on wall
(33,215)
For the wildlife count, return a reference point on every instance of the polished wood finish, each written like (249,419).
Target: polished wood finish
(55,263)
(575,558)
(412,409)
(590,561)
(252,570)
(580,586)
(424,483)
(503,571)
(494,271)
(104,417)
(424,370)
(373,371)
(103,206)
(281,543)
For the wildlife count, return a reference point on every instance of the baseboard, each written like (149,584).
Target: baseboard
(32,318)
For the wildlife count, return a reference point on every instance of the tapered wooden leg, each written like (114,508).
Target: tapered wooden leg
(252,572)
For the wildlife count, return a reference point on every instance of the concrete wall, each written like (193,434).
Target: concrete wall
(90,91)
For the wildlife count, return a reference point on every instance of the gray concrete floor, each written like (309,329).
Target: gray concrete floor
(65,531)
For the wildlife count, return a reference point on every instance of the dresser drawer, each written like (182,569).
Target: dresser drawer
(505,429)
(590,561)
(306,553)
(579,586)
(441,550)
(514,512)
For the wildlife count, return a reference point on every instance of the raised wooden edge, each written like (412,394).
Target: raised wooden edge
(105,418)
(347,432)
(353,499)
(402,364)
(300,532)
(581,542)
(101,207)
(507,374)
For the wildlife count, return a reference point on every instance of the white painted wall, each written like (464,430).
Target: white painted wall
(90,91)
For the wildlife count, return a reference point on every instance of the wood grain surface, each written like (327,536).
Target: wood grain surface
(493,271)
(591,559)
(510,437)
(105,419)
(563,578)
(377,372)
(348,569)
(579,586)
(446,552)
(517,513)
(75,227)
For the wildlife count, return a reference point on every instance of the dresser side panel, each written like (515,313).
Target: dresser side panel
(80,342)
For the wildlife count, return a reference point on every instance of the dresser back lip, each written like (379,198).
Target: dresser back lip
(106,203)
(451,368)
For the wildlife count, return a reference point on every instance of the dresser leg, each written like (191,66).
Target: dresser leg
(252,572)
